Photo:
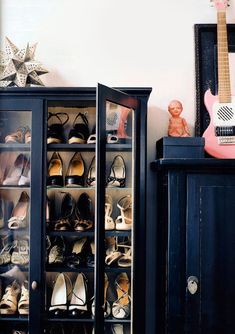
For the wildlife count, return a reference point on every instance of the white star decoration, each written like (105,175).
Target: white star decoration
(18,67)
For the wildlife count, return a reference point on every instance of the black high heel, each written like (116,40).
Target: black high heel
(76,171)
(80,131)
(117,174)
(55,131)
(90,180)
(55,171)
(83,213)
(64,207)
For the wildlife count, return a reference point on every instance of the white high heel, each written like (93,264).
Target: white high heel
(59,296)
(124,221)
(109,223)
(78,303)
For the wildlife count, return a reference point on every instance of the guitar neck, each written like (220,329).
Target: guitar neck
(223,60)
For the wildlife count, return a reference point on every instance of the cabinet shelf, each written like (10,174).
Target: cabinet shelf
(14,187)
(14,147)
(88,147)
(88,320)
(66,269)
(14,318)
(4,269)
(71,233)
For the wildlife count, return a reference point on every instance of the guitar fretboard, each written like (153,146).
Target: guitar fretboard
(223,60)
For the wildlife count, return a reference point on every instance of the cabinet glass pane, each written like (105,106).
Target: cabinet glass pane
(119,203)
(70,245)
(15,182)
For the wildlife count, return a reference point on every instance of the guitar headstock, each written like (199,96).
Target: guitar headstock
(220,4)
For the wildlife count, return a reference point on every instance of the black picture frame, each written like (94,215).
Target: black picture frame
(206,67)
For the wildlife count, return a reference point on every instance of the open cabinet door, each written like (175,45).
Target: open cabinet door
(120,214)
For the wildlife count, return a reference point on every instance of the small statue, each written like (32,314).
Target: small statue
(177,125)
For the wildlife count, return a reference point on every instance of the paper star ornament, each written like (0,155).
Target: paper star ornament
(18,66)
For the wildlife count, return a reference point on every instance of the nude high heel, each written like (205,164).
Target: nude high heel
(59,296)
(78,303)
(121,307)
(124,221)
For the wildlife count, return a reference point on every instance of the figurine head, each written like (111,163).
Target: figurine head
(175,108)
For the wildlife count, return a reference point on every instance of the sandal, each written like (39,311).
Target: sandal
(117,174)
(80,131)
(125,260)
(56,251)
(23,305)
(20,254)
(5,254)
(90,180)
(112,253)
(55,131)
(77,259)
(106,306)
(124,221)
(18,217)
(109,223)
(83,213)
(121,307)
(8,304)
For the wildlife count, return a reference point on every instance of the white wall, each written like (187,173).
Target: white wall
(117,43)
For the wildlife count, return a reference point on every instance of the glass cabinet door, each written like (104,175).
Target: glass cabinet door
(116,212)
(69,214)
(15,219)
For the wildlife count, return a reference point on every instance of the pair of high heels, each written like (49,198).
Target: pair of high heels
(75,175)
(124,220)
(19,214)
(60,304)
(77,135)
(15,252)
(19,174)
(15,298)
(71,215)
(121,307)
(117,173)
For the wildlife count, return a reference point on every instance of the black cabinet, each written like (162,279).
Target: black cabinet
(72,210)
(196,253)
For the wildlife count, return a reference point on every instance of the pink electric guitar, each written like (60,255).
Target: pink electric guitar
(220,134)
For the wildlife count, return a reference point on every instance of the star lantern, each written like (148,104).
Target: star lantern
(18,67)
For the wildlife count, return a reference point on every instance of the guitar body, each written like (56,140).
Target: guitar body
(212,146)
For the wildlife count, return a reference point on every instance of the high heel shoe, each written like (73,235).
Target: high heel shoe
(121,307)
(109,223)
(55,131)
(90,180)
(8,304)
(106,306)
(83,213)
(21,135)
(55,171)
(25,176)
(124,221)
(117,174)
(78,303)
(125,259)
(23,305)
(15,173)
(80,131)
(56,251)
(19,213)
(112,253)
(20,254)
(76,171)
(59,296)
(77,259)
(64,207)
(117,329)
(90,260)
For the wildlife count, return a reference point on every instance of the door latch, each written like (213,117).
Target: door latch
(192,284)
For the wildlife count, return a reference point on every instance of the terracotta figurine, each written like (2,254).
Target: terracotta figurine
(177,125)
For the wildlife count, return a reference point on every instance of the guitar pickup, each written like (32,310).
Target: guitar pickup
(224,131)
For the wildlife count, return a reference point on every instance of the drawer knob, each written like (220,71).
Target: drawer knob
(34,285)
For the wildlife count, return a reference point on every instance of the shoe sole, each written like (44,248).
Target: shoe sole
(76,141)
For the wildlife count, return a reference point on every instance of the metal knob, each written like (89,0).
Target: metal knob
(192,284)
(34,285)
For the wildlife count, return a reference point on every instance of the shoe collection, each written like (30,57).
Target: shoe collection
(79,133)
(14,252)
(15,299)
(69,215)
(71,299)
(75,175)
(21,135)
(76,254)
(20,173)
